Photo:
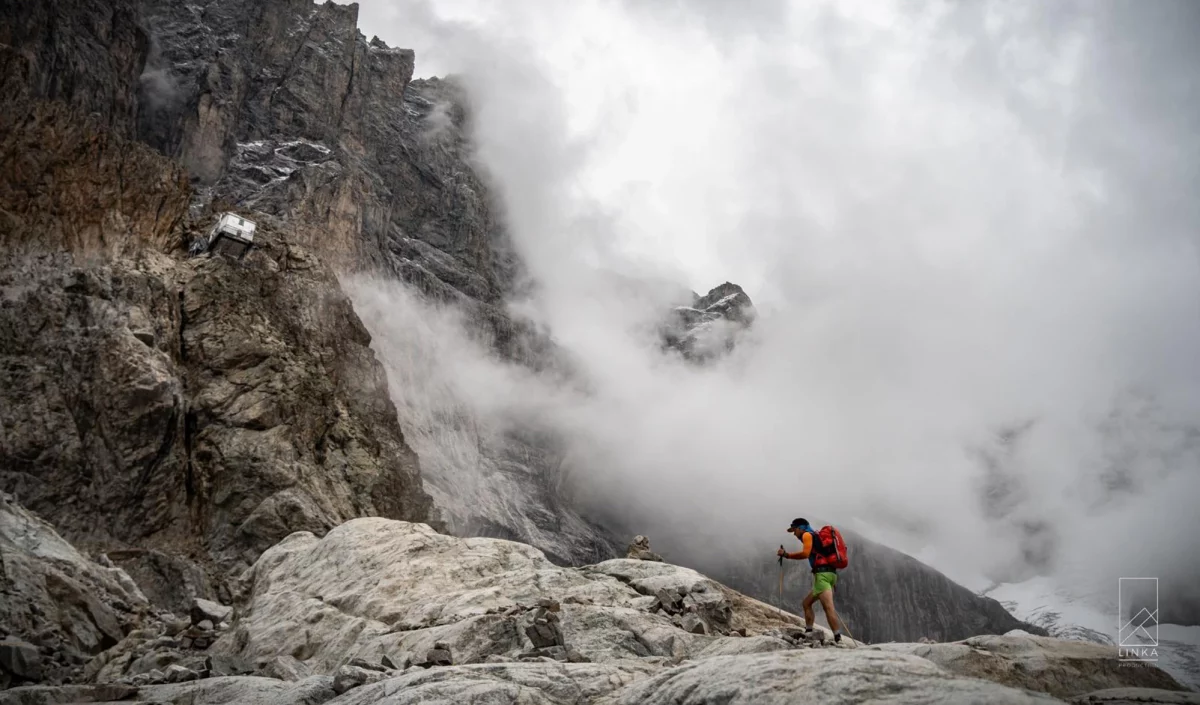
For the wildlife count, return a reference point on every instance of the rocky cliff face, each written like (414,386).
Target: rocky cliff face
(69,183)
(197,408)
(284,108)
(86,55)
(202,407)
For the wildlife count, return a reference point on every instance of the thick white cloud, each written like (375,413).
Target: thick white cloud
(957,218)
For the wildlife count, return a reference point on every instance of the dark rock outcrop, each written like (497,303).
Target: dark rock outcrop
(197,407)
(84,54)
(58,608)
(711,326)
(639,549)
(66,182)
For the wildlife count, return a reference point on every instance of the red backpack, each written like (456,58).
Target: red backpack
(829,549)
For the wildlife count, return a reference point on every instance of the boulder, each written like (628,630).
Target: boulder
(362,663)
(207,611)
(179,674)
(1061,668)
(639,550)
(693,624)
(20,659)
(349,677)
(676,589)
(284,667)
(439,655)
(142,652)
(226,665)
(544,631)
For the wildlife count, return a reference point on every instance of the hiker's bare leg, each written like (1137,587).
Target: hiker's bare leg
(826,598)
(809,615)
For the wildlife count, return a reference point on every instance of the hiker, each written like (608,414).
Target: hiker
(823,561)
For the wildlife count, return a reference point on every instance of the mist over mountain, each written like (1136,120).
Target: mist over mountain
(335,372)
(968,230)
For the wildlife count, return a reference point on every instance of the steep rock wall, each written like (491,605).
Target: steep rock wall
(201,407)
(285,109)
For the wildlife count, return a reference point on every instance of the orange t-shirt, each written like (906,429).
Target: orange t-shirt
(806,548)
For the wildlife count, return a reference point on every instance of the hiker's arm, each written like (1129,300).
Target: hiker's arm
(805,549)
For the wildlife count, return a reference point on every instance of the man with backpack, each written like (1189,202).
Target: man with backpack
(826,554)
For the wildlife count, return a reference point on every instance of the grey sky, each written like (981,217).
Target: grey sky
(955,216)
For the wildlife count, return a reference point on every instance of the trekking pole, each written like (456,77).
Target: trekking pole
(842,621)
(847,628)
(781,578)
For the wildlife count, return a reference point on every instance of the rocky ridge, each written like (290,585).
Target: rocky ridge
(384,611)
(711,326)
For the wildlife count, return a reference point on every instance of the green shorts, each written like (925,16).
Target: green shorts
(823,582)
